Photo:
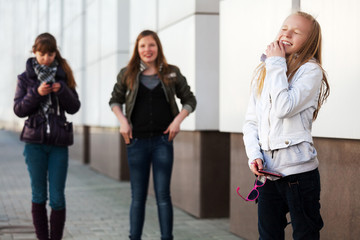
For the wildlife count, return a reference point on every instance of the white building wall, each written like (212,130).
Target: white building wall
(207,71)
(246,28)
(216,44)
(43,16)
(92,35)
(340,23)
(96,40)
(72,41)
(143,15)
(55,19)
(14,50)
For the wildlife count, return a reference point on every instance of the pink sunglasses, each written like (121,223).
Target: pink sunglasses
(254,194)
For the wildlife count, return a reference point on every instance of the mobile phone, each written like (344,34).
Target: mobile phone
(50,84)
(270,173)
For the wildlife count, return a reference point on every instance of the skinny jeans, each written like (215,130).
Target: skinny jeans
(144,153)
(47,164)
(298,194)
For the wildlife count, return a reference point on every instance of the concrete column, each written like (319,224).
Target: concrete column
(108,153)
(200,179)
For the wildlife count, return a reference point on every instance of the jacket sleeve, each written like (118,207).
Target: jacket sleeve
(119,91)
(68,99)
(250,131)
(27,99)
(183,92)
(300,94)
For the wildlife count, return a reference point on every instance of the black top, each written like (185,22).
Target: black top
(151,115)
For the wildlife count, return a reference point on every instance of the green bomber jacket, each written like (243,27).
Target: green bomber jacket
(178,86)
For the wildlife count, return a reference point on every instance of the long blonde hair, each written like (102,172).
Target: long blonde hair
(310,49)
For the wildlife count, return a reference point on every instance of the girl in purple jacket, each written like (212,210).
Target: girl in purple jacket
(47,87)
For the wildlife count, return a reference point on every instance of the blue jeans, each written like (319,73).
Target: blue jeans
(47,163)
(298,194)
(142,154)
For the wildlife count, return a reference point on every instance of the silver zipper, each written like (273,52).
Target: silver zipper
(269,122)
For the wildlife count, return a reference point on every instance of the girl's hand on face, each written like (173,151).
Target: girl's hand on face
(44,89)
(275,49)
(56,87)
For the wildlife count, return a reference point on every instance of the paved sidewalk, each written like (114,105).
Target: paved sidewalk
(97,206)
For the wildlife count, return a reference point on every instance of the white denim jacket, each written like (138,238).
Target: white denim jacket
(281,116)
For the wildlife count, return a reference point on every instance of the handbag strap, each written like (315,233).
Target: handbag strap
(57,106)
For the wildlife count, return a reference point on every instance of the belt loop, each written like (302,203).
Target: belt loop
(293,183)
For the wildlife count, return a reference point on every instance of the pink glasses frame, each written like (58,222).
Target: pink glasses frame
(254,189)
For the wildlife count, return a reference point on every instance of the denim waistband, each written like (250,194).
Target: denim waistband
(303,174)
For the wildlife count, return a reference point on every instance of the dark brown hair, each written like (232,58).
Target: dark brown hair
(134,63)
(46,43)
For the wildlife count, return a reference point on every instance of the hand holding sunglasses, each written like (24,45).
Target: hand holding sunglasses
(254,193)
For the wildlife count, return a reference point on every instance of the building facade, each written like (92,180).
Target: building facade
(217,45)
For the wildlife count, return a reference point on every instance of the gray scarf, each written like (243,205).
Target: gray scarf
(45,74)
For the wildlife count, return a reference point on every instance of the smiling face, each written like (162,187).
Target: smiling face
(148,50)
(294,33)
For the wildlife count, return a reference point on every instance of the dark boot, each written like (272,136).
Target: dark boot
(40,221)
(57,223)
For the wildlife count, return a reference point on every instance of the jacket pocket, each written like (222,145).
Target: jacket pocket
(34,129)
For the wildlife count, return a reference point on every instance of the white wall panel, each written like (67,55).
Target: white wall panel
(42,16)
(339,117)
(77,118)
(9,73)
(73,44)
(122,27)
(246,28)
(108,75)
(93,22)
(21,44)
(55,19)
(32,19)
(179,50)
(72,10)
(207,72)
(207,6)
(171,11)
(189,41)
(91,105)
(88,2)
(143,15)
(108,34)
(107,42)
(15,47)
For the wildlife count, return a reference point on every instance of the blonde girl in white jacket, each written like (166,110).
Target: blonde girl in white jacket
(289,88)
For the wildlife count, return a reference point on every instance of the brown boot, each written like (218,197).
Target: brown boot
(40,221)
(57,223)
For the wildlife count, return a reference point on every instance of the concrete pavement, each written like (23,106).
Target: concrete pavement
(97,206)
